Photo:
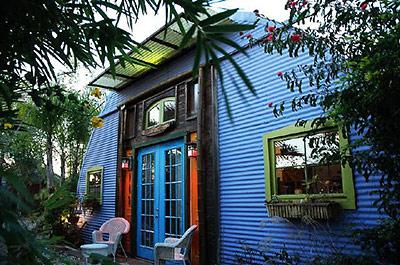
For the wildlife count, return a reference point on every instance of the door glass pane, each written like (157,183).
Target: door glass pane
(173,196)
(169,110)
(147,211)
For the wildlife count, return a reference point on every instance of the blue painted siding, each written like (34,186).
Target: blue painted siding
(102,151)
(243,215)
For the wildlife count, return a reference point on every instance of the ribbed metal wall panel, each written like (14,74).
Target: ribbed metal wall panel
(243,215)
(101,151)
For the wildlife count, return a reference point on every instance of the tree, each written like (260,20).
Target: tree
(46,119)
(356,80)
(36,34)
(73,133)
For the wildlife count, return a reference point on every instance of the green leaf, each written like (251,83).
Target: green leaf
(188,36)
(196,63)
(217,17)
(238,69)
(228,41)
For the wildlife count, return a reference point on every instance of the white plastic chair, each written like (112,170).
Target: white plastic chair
(114,227)
(171,248)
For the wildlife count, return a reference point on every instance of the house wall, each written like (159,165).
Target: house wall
(108,144)
(102,148)
(101,151)
(244,218)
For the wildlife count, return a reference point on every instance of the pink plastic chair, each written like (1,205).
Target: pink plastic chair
(115,228)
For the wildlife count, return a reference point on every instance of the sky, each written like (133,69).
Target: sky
(273,9)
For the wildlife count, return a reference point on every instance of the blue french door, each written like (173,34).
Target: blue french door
(161,190)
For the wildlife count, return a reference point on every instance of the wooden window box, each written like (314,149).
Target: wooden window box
(319,210)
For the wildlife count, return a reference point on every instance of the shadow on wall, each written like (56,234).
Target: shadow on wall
(307,242)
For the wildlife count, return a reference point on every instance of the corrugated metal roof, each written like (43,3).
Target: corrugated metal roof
(163,45)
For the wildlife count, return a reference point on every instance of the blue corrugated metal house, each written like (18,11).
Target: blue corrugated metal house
(169,156)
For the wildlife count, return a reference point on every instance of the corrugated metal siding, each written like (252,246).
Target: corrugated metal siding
(101,151)
(243,215)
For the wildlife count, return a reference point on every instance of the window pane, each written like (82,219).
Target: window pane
(309,164)
(289,164)
(169,110)
(153,117)
(94,185)
(192,98)
(323,163)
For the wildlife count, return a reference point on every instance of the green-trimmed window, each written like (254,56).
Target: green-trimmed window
(160,112)
(301,162)
(94,181)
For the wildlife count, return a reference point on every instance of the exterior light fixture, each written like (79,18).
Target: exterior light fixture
(126,163)
(192,150)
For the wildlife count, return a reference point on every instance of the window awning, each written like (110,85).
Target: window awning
(163,45)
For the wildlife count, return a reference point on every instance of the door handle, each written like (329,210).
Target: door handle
(157,211)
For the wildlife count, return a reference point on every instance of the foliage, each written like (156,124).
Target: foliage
(384,239)
(56,216)
(343,260)
(36,34)
(90,202)
(22,170)
(21,153)
(251,256)
(18,244)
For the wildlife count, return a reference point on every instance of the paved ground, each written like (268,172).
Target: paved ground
(131,261)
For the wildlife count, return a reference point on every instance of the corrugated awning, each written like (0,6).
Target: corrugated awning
(163,45)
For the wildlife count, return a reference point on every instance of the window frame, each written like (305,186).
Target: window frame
(91,170)
(345,199)
(160,102)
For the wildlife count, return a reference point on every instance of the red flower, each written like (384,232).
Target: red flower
(279,74)
(293,4)
(270,104)
(270,28)
(249,36)
(305,2)
(241,33)
(270,37)
(295,37)
(363,6)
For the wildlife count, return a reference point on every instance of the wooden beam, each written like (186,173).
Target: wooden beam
(106,87)
(123,76)
(142,61)
(165,43)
